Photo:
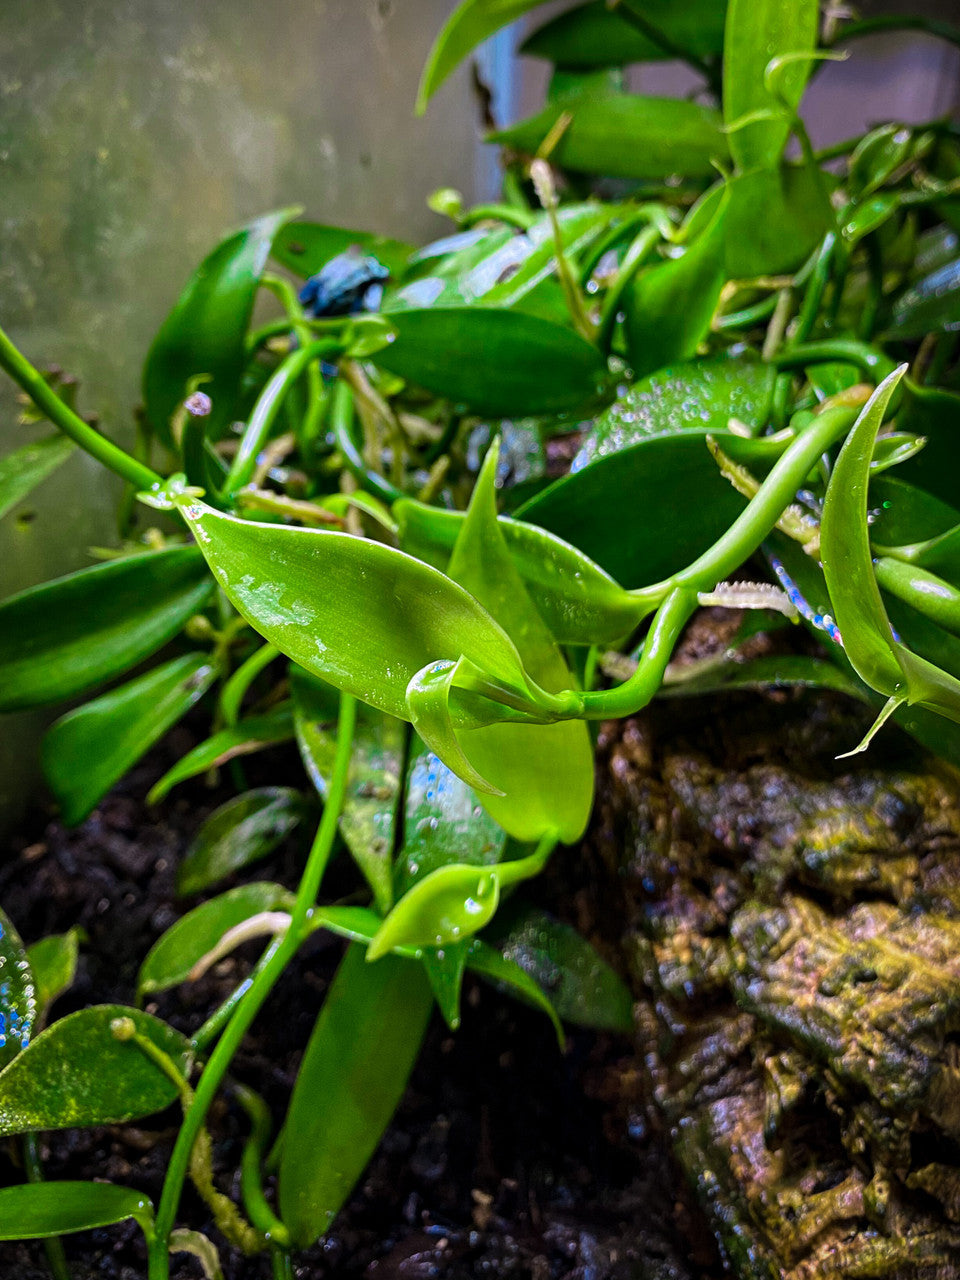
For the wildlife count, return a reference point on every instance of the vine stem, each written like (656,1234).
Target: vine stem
(71,424)
(272,964)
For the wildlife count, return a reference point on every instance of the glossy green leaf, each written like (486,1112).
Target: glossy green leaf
(171,958)
(544,771)
(88,750)
(368,816)
(77,1073)
(756,32)
(507,975)
(472,22)
(580,985)
(493,360)
(776,218)
(254,733)
(578,601)
(53,961)
(205,331)
(508,268)
(64,637)
(672,480)
(352,1077)
(624,135)
(23,469)
(304,591)
(304,247)
(38,1210)
(593,35)
(698,395)
(668,308)
(18,993)
(931,304)
(443,822)
(245,829)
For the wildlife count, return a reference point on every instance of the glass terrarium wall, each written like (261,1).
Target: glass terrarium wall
(133,133)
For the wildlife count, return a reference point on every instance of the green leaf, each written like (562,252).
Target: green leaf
(443,822)
(623,135)
(592,35)
(171,958)
(672,480)
(545,771)
(352,1077)
(23,469)
(205,331)
(507,975)
(776,218)
(90,749)
(508,268)
(668,308)
(933,413)
(697,395)
(18,993)
(472,22)
(368,816)
(580,603)
(786,671)
(304,590)
(448,905)
(245,829)
(241,739)
(54,963)
(493,360)
(932,304)
(64,637)
(304,247)
(756,32)
(39,1210)
(578,983)
(445,967)
(77,1073)
(847,559)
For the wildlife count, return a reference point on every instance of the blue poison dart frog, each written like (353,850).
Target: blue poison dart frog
(348,283)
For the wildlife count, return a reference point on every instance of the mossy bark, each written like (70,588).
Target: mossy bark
(791,925)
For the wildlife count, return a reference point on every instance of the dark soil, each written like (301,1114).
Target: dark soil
(506,1158)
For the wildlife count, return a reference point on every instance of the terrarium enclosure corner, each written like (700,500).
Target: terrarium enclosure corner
(480,640)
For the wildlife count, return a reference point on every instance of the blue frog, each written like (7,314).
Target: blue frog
(349,283)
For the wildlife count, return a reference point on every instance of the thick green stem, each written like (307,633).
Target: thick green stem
(71,424)
(272,964)
(341,423)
